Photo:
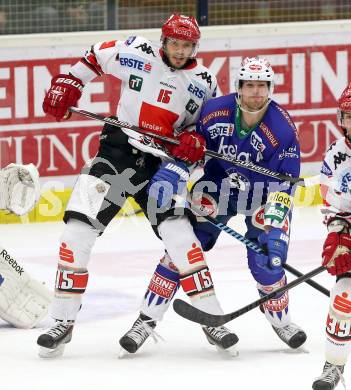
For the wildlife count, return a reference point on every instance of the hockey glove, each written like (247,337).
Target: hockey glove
(65,91)
(276,243)
(191,147)
(168,181)
(336,253)
(19,188)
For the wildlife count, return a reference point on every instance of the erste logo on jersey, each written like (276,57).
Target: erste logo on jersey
(256,142)
(135,62)
(221,129)
(196,89)
(345,185)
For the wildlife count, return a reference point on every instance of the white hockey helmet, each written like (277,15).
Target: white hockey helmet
(257,69)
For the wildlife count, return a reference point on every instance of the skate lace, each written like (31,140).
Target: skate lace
(287,331)
(331,374)
(141,330)
(218,332)
(58,330)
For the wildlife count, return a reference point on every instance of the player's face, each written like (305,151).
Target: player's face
(178,51)
(346,121)
(254,94)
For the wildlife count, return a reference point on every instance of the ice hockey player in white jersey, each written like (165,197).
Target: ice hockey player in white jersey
(23,301)
(162,91)
(336,192)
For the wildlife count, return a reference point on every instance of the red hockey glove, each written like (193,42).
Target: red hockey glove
(191,147)
(65,91)
(336,253)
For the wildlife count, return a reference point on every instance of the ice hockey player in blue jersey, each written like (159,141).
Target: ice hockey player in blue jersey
(248,126)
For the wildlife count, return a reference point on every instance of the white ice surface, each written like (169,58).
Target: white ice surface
(122,263)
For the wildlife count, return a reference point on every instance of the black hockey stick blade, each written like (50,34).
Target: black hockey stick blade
(193,314)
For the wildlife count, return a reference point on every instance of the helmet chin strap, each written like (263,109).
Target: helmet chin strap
(238,101)
(347,136)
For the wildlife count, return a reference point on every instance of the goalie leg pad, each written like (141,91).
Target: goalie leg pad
(338,325)
(161,290)
(24,302)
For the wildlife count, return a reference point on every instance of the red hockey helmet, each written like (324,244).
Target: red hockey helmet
(181,27)
(344,104)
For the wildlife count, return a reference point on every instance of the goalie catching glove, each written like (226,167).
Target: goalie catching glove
(24,302)
(19,188)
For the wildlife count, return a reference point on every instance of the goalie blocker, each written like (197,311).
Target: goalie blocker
(24,302)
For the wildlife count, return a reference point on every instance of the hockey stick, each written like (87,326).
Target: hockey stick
(250,244)
(244,164)
(193,314)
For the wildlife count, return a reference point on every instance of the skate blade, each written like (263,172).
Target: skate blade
(47,353)
(123,353)
(231,351)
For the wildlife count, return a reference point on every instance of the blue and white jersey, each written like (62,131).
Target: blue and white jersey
(272,143)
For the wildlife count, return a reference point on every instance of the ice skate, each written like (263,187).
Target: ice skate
(291,334)
(52,343)
(142,328)
(222,338)
(330,377)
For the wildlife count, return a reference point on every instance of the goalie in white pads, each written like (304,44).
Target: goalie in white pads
(23,300)
(336,192)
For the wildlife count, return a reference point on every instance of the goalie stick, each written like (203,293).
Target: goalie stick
(193,314)
(304,182)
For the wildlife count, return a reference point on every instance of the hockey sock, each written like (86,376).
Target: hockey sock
(338,326)
(72,275)
(276,310)
(162,288)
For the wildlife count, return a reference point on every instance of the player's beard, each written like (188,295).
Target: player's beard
(254,105)
(178,63)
